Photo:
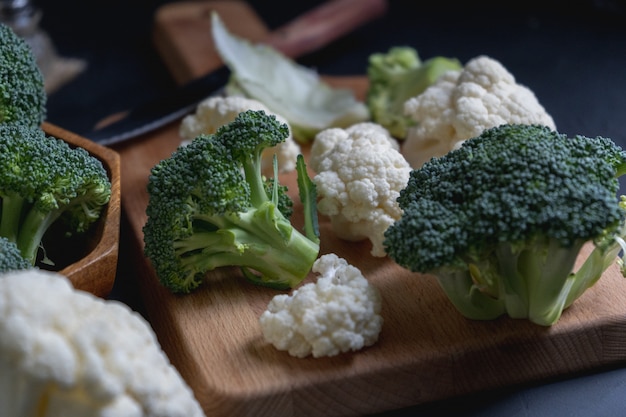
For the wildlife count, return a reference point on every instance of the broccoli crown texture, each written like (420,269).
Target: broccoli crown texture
(10,257)
(512,205)
(42,180)
(395,77)
(209,206)
(22,93)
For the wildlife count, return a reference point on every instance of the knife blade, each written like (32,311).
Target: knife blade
(306,33)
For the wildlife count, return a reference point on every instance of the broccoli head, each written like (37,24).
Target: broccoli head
(11,258)
(43,180)
(22,93)
(395,77)
(501,221)
(210,206)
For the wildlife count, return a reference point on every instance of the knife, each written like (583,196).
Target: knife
(306,33)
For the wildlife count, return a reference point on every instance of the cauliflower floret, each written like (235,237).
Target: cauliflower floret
(359,176)
(217,111)
(65,352)
(462,104)
(338,313)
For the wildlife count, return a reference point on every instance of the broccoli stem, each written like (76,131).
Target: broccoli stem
(545,269)
(11,216)
(513,284)
(532,280)
(251,170)
(592,269)
(32,230)
(259,239)
(468,297)
(308,196)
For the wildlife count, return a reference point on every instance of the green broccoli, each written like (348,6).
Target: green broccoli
(42,180)
(395,77)
(11,258)
(22,94)
(501,221)
(209,207)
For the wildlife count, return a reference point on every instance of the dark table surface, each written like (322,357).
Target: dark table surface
(572,54)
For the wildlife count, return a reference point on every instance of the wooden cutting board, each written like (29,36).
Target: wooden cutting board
(182,34)
(426,351)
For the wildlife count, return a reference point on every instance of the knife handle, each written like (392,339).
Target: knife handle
(323,24)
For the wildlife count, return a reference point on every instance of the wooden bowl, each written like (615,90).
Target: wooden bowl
(90,262)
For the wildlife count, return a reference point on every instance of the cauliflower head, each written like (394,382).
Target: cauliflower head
(359,175)
(462,104)
(65,352)
(338,313)
(217,111)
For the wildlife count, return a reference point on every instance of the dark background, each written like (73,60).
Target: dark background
(572,54)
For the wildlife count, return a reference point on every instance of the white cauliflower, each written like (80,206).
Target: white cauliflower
(462,104)
(65,352)
(217,111)
(338,313)
(359,175)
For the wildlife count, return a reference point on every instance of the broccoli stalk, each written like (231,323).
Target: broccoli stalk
(501,221)
(43,180)
(210,207)
(11,214)
(395,77)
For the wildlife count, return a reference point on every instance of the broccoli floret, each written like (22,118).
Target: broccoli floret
(209,207)
(22,93)
(42,180)
(395,77)
(501,221)
(11,258)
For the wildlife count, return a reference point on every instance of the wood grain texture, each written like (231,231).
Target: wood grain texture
(95,272)
(182,31)
(182,34)
(426,351)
